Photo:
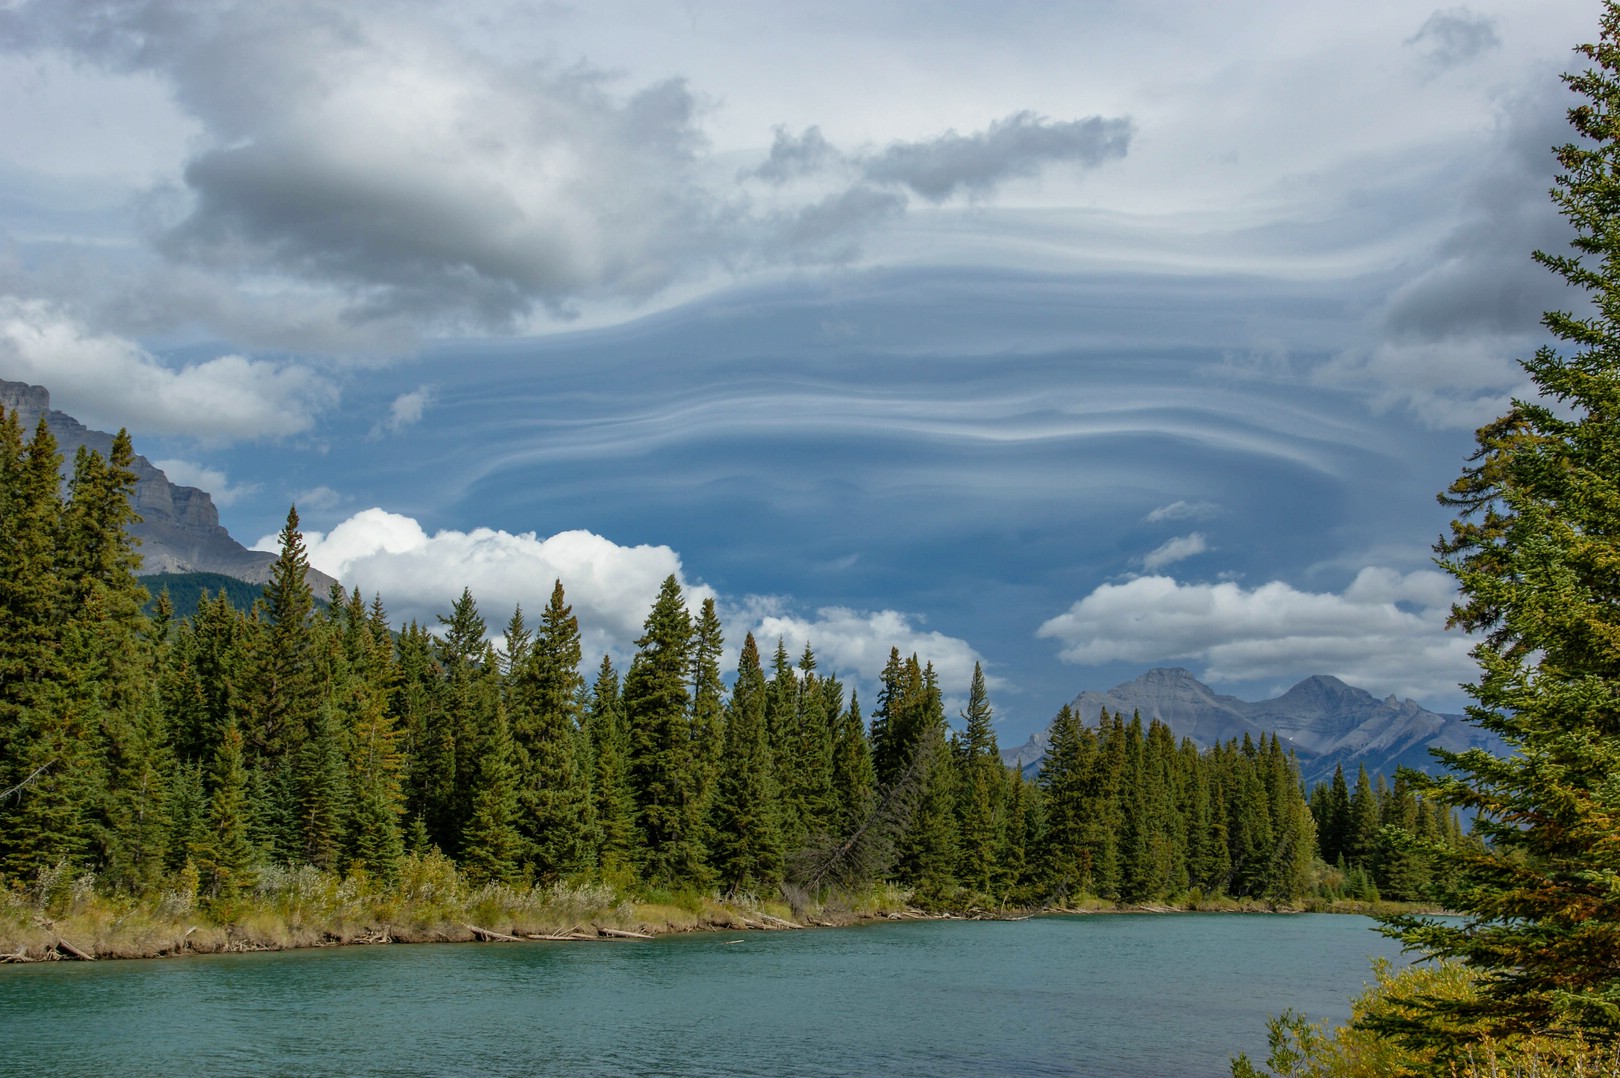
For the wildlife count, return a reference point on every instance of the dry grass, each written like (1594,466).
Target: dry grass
(429,901)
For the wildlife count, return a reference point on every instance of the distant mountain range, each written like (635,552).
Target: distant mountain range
(179,530)
(1325,721)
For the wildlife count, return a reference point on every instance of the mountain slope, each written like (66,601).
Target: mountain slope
(179,530)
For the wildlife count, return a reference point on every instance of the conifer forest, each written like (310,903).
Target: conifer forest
(192,749)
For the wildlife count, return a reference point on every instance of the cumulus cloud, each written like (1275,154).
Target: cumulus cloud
(1386,628)
(104,380)
(1015,147)
(405,412)
(184,473)
(419,575)
(858,642)
(1181,509)
(1453,36)
(1178,549)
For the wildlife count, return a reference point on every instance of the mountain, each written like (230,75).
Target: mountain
(1325,721)
(179,530)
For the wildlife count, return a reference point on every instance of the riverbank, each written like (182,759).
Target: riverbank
(431,902)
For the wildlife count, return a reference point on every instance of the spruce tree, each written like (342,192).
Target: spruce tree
(981,820)
(222,854)
(555,815)
(614,805)
(657,706)
(1535,552)
(746,842)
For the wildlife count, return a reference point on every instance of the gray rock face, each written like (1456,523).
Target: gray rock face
(179,530)
(1327,723)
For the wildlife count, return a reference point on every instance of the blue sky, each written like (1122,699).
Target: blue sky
(1070,338)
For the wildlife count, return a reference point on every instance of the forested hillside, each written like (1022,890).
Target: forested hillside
(192,750)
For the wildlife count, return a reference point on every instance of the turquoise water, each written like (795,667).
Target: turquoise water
(1100,995)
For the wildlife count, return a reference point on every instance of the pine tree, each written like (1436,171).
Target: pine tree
(491,849)
(1535,552)
(555,815)
(853,779)
(657,705)
(615,807)
(223,855)
(746,847)
(1070,757)
(981,820)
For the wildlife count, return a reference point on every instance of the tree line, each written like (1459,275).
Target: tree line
(147,750)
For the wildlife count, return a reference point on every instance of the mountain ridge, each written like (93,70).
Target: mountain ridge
(1326,722)
(179,530)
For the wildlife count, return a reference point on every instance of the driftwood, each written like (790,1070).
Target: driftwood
(486,935)
(620,933)
(777,922)
(574,933)
(376,935)
(64,945)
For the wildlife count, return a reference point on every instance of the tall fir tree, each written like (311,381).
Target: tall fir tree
(657,706)
(555,814)
(746,843)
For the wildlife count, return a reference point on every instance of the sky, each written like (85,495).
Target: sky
(1072,339)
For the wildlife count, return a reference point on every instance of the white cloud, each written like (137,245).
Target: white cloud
(184,473)
(418,575)
(315,498)
(1385,629)
(858,642)
(108,382)
(405,412)
(1182,509)
(1178,549)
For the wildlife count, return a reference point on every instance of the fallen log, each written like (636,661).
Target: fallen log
(64,945)
(778,922)
(487,935)
(620,933)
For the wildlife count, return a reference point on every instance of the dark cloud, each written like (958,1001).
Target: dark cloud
(794,157)
(1018,146)
(1481,281)
(830,230)
(366,166)
(1455,36)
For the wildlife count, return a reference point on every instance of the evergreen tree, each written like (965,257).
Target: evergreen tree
(491,849)
(223,855)
(555,815)
(1070,758)
(981,821)
(1534,552)
(657,705)
(746,848)
(852,775)
(614,805)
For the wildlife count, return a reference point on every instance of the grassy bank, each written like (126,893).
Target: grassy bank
(430,901)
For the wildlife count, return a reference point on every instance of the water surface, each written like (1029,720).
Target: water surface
(1129,995)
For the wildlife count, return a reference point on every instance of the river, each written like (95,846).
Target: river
(1128,995)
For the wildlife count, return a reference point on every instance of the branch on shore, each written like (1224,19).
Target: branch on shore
(487,935)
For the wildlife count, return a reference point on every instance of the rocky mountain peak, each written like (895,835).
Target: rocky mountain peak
(1326,722)
(179,531)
